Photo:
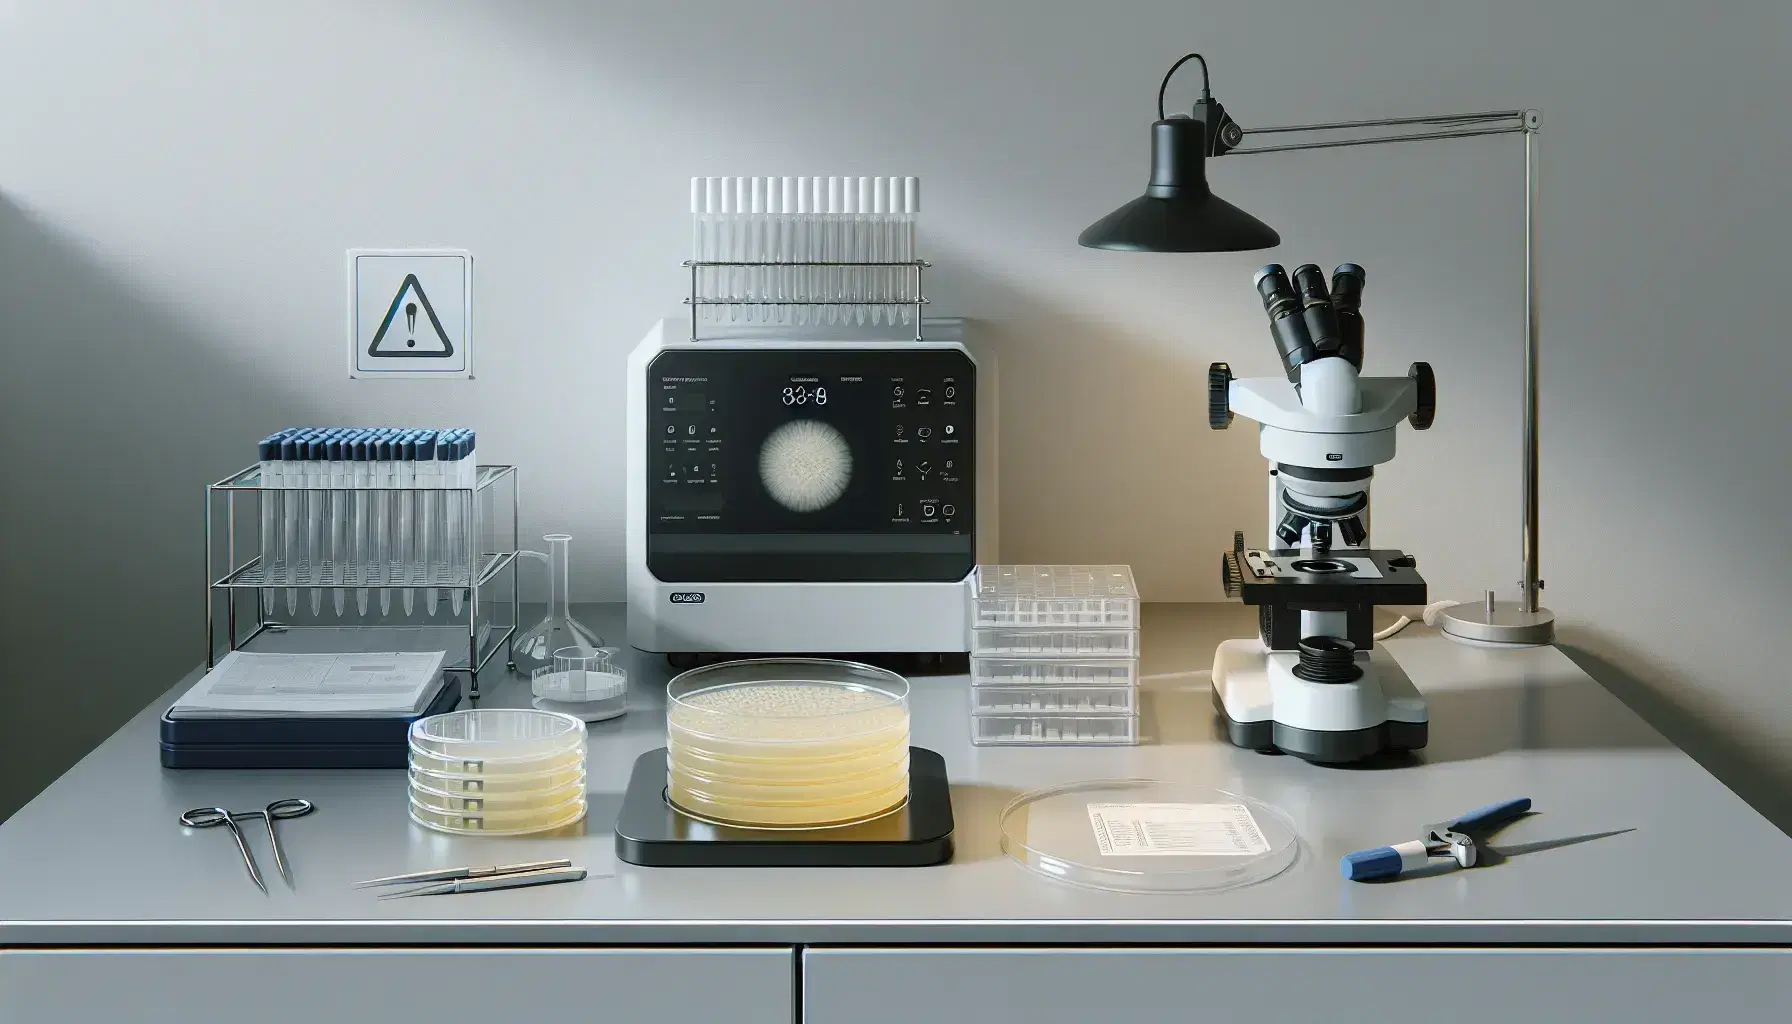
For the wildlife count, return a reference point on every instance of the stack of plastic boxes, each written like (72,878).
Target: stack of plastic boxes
(1055,655)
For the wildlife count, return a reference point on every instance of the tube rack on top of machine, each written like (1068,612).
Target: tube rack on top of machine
(294,550)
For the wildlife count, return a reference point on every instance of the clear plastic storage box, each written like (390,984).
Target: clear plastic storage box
(1093,730)
(1055,643)
(1054,672)
(1037,596)
(1054,700)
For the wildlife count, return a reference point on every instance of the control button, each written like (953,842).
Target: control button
(929,510)
(951,391)
(923,468)
(901,432)
(948,463)
(947,510)
(692,429)
(924,432)
(901,511)
(949,428)
(899,469)
(923,396)
(897,392)
(671,428)
(714,430)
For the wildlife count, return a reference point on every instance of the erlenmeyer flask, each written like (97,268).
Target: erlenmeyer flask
(535,647)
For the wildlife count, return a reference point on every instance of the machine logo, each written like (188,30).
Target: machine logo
(687,597)
(1334,456)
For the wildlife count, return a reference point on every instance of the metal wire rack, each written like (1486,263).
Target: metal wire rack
(242,589)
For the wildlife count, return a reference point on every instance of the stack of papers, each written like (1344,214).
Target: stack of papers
(269,685)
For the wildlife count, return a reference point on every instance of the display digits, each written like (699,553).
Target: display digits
(800,394)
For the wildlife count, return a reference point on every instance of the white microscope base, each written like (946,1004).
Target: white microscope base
(1267,708)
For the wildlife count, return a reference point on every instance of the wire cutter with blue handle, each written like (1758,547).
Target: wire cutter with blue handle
(1446,840)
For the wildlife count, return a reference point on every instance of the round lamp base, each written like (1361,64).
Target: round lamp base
(1502,622)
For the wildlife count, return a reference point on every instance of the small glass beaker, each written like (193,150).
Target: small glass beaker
(583,682)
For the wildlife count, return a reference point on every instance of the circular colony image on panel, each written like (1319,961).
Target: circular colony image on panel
(805,465)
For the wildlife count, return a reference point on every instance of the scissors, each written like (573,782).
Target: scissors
(212,817)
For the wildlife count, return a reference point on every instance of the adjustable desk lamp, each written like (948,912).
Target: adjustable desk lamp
(1178,213)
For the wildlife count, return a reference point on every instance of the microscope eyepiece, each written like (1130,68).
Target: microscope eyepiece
(1347,300)
(1309,280)
(1289,330)
(1316,309)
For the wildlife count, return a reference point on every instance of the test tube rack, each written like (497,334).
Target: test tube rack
(243,593)
(809,289)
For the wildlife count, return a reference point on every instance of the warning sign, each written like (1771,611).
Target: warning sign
(412,300)
(410,313)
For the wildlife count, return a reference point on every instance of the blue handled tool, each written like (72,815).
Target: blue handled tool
(1448,839)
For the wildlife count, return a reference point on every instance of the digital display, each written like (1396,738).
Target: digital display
(805,393)
(817,464)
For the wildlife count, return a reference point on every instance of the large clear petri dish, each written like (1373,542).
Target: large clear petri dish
(1142,835)
(787,742)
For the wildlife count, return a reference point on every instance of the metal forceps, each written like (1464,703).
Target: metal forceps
(212,817)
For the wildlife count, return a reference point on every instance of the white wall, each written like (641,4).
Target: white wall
(178,181)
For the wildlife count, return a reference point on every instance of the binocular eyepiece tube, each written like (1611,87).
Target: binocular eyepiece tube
(1309,320)
(1286,325)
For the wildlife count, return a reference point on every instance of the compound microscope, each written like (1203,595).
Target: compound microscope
(1313,683)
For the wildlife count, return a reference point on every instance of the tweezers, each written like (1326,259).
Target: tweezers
(455,874)
(514,880)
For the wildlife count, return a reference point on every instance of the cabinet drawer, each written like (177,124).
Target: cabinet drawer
(1342,986)
(386,986)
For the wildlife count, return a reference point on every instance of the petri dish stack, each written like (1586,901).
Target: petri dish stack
(787,743)
(1055,655)
(497,772)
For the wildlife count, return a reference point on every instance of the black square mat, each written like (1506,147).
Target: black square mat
(653,833)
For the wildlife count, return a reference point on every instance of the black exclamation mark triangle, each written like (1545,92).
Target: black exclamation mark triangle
(411,286)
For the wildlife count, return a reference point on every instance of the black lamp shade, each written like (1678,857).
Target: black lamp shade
(1177,213)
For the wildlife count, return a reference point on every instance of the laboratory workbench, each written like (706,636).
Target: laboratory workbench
(1642,885)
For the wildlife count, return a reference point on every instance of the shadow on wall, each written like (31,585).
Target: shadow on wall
(1604,657)
(109,407)
(1105,449)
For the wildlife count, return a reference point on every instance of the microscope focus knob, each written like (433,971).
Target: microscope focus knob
(1427,409)
(1219,404)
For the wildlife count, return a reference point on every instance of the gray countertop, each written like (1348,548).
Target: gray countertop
(99,859)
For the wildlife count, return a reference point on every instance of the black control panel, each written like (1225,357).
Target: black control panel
(811,464)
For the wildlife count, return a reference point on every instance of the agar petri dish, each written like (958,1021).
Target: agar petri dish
(493,823)
(787,742)
(518,786)
(498,733)
(497,740)
(1147,836)
(499,803)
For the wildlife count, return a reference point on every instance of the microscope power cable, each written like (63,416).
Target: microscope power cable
(1429,615)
